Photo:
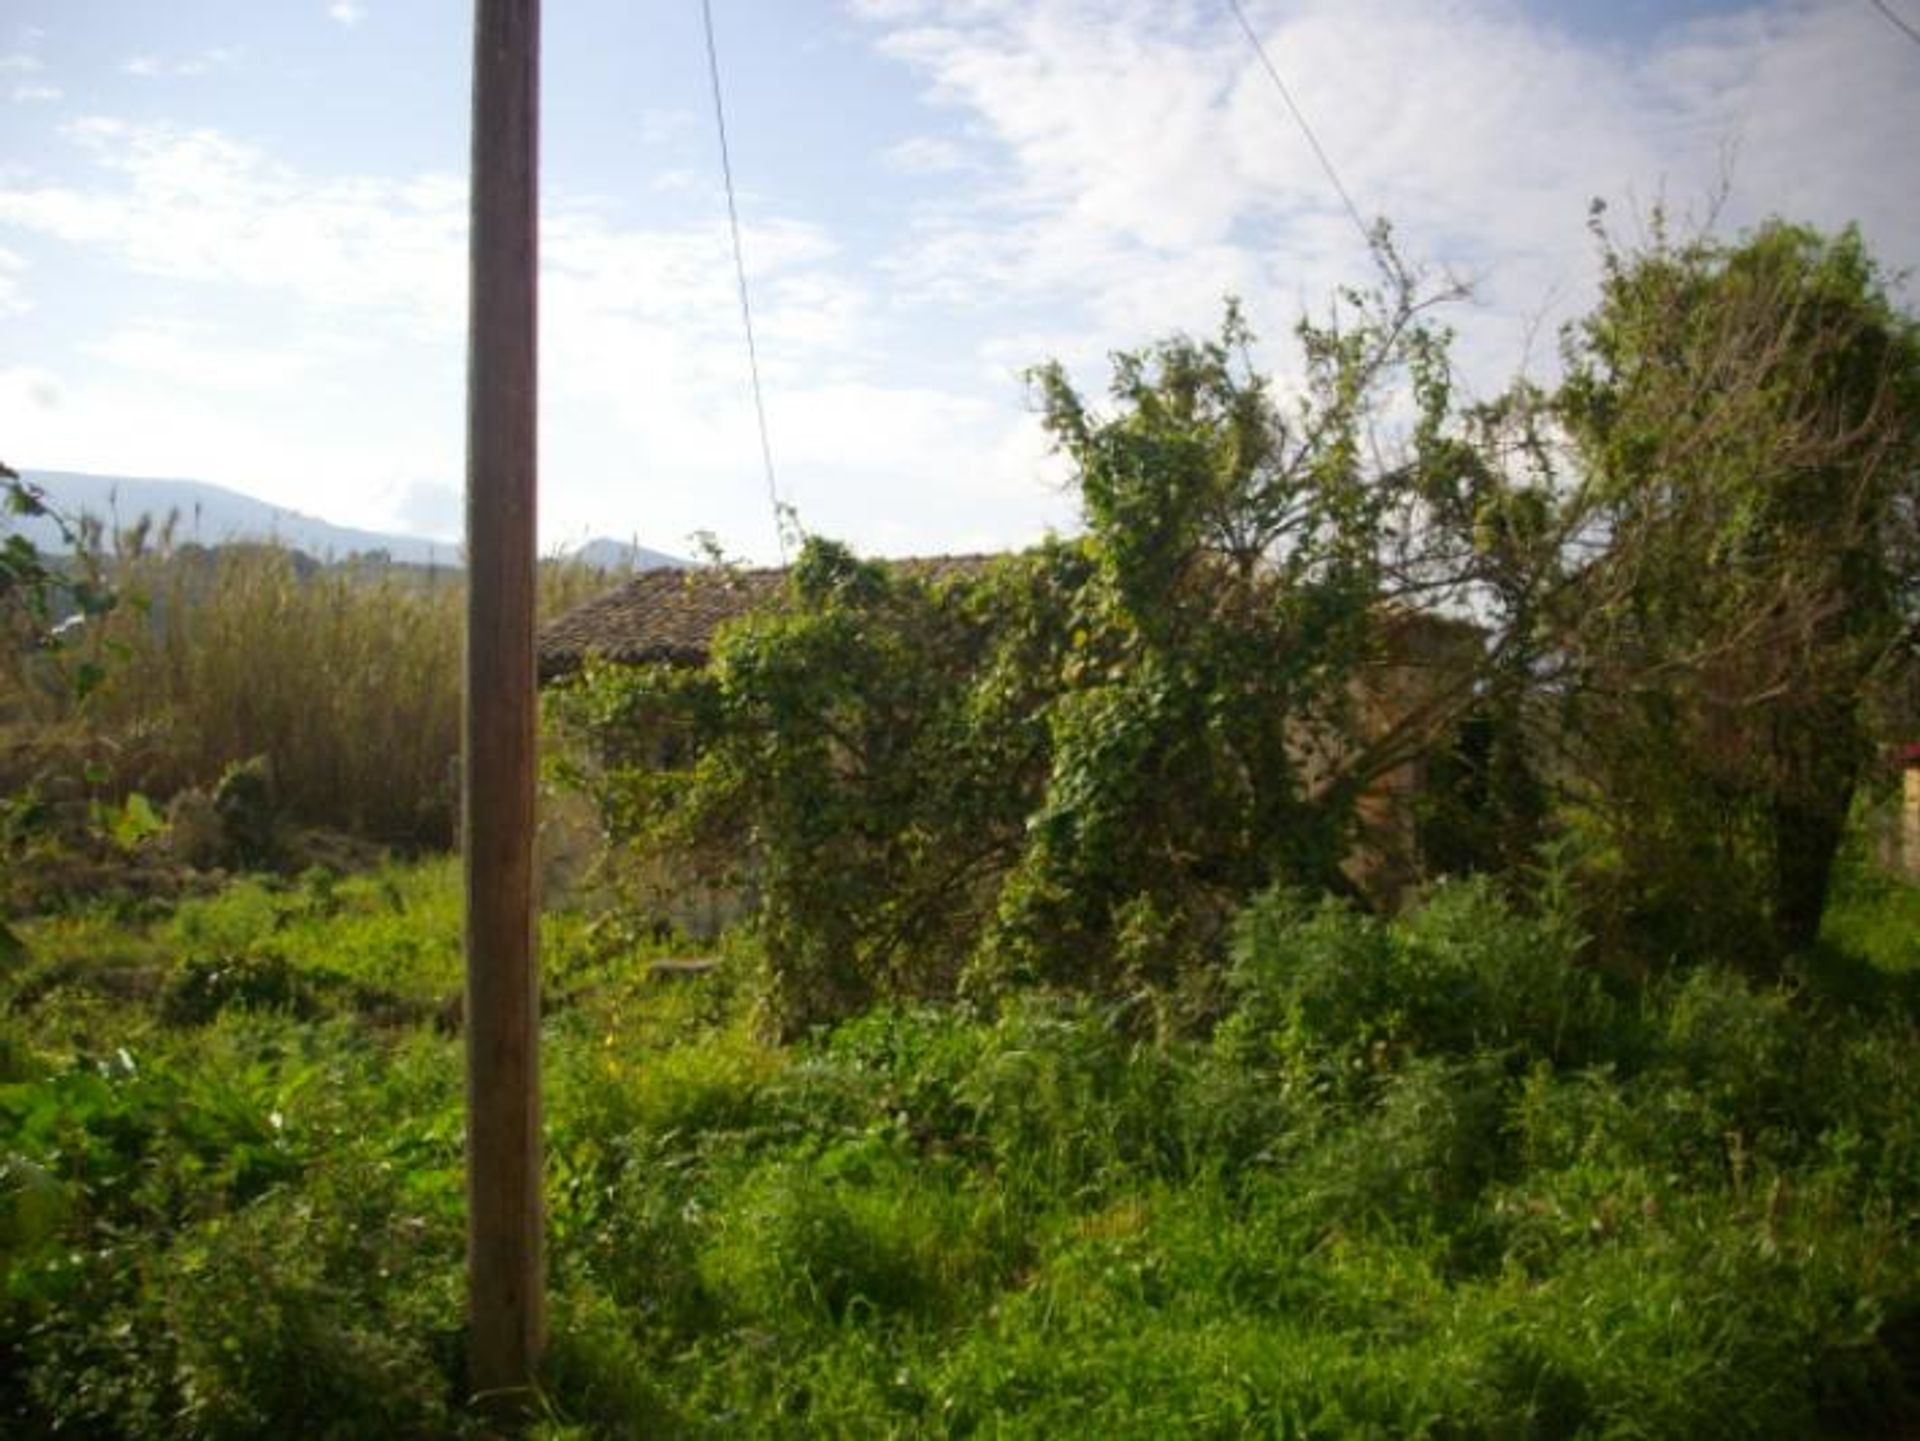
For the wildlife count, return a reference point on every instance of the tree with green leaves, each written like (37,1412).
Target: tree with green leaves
(1740,569)
(1073,767)
(1211,736)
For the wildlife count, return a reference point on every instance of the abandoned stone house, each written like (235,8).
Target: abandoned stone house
(670,617)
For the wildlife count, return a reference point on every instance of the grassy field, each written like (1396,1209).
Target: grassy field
(1433,1178)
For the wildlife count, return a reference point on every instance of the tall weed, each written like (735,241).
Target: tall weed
(346,678)
(1475,1195)
(1333,998)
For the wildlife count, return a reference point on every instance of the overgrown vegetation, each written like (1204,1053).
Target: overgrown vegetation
(1123,1077)
(343,681)
(1648,621)
(1073,768)
(1746,423)
(1426,1177)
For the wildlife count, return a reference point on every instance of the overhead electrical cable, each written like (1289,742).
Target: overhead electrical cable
(740,275)
(1300,119)
(1894,19)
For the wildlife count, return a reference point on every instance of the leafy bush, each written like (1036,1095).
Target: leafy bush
(1743,419)
(854,1231)
(1335,998)
(1068,768)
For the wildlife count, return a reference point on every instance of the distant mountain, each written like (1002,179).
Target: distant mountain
(605,554)
(214,515)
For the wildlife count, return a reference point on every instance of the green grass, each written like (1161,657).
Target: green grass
(1875,918)
(1429,1178)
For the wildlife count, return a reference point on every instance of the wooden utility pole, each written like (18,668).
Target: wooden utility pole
(505,1305)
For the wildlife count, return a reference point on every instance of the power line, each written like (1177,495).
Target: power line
(740,274)
(1903,27)
(1300,119)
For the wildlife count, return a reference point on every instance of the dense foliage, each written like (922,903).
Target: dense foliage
(1642,621)
(1746,424)
(1426,1178)
(38,592)
(1071,766)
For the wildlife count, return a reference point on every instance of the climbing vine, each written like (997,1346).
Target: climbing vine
(1069,766)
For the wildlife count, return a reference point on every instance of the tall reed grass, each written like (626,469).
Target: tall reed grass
(346,678)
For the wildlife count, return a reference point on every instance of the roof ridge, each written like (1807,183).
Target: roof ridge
(669,614)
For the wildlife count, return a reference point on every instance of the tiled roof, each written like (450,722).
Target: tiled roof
(671,615)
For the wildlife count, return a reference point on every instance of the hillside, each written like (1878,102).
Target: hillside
(214,515)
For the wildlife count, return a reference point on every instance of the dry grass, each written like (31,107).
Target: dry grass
(347,679)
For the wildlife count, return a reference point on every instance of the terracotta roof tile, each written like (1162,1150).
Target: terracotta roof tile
(671,615)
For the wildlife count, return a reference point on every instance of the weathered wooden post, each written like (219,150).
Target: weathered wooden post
(505,1307)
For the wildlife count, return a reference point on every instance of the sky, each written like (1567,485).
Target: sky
(233,234)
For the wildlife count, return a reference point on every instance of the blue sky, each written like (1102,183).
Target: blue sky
(232,234)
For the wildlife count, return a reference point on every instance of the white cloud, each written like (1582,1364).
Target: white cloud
(662,126)
(149,67)
(931,155)
(930,469)
(194,205)
(644,369)
(26,67)
(189,357)
(347,12)
(1107,170)
(197,206)
(12,301)
(887,10)
(431,508)
(1140,163)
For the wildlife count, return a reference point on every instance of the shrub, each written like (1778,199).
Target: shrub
(1743,426)
(1326,994)
(1071,768)
(204,987)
